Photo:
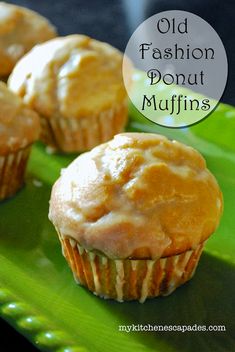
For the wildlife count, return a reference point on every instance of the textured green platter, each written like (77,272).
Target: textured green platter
(40,299)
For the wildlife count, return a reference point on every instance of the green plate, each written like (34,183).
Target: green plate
(39,297)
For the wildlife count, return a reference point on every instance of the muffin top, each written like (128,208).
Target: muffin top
(19,126)
(71,76)
(20,30)
(138,196)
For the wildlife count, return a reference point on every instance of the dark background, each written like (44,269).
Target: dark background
(114,21)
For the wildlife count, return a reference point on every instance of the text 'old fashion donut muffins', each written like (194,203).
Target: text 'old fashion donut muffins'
(133,215)
(20,30)
(19,128)
(75,84)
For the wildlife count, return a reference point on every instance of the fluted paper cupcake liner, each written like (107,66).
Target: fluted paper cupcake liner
(129,279)
(12,169)
(69,134)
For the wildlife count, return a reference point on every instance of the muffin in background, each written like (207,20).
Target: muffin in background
(20,30)
(19,128)
(75,84)
(133,215)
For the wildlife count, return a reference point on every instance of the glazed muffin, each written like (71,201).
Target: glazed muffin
(19,128)
(20,30)
(133,215)
(75,84)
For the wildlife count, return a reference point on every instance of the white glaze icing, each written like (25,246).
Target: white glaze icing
(19,126)
(145,285)
(134,264)
(137,196)
(72,242)
(119,279)
(176,266)
(104,260)
(92,257)
(80,249)
(53,78)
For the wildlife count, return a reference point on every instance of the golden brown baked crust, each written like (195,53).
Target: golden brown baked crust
(138,196)
(70,77)
(19,126)
(20,30)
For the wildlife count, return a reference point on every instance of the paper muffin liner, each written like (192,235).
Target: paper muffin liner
(12,169)
(69,134)
(129,279)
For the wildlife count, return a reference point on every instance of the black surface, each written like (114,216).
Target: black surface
(114,21)
(11,340)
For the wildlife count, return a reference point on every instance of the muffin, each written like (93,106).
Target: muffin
(75,84)
(20,30)
(134,214)
(19,128)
